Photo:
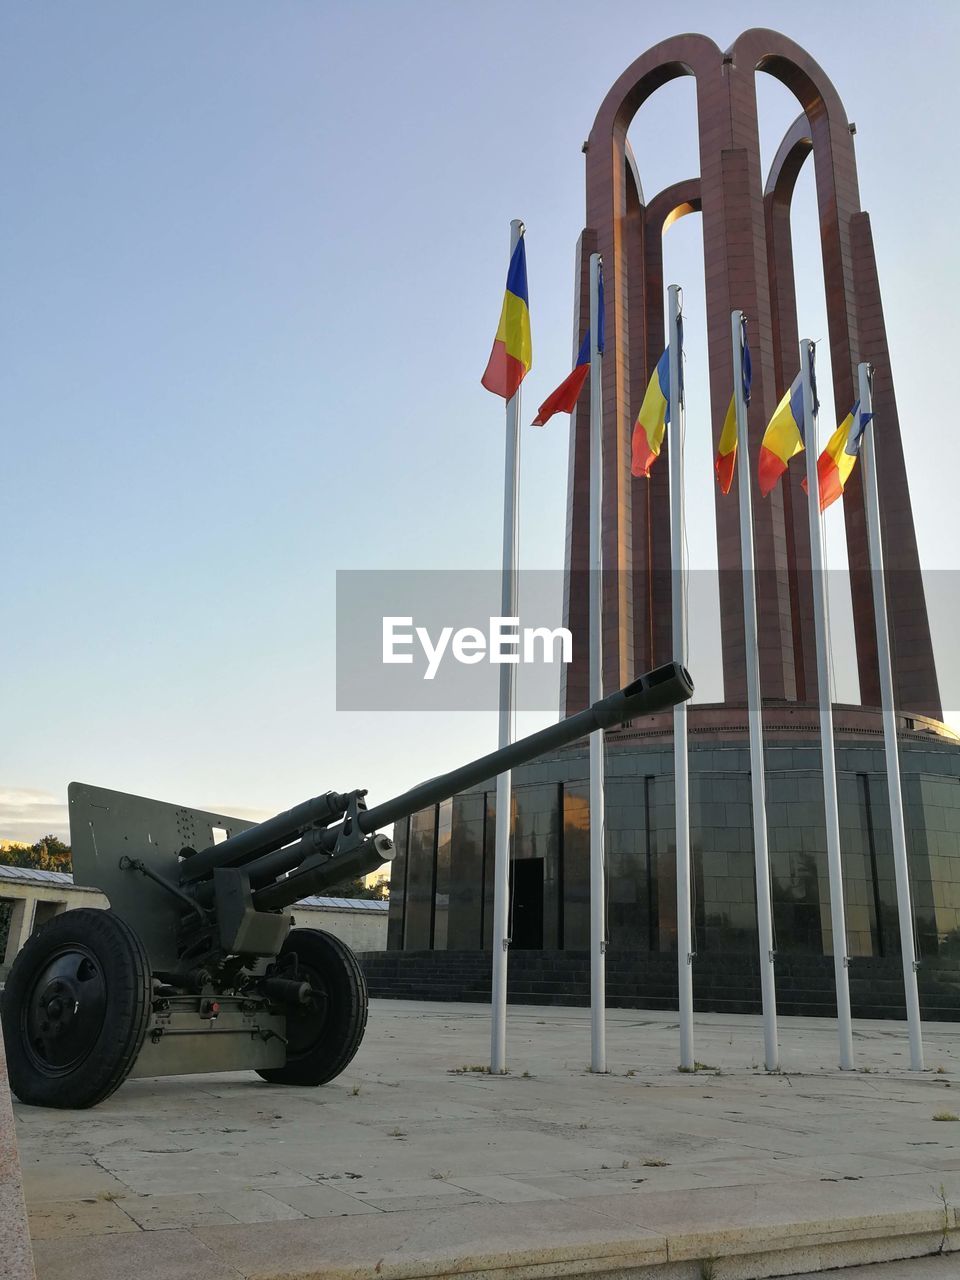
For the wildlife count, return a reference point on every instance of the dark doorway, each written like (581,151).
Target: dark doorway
(526,891)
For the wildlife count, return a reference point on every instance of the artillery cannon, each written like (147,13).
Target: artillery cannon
(195,967)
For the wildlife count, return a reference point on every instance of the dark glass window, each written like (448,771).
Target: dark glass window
(398,877)
(421,869)
(464,927)
(441,908)
(576,867)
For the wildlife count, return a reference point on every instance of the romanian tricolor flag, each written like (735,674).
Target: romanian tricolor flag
(648,430)
(726,460)
(783,438)
(836,463)
(564,399)
(512,355)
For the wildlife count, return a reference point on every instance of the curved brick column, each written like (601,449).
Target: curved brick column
(777,200)
(748,264)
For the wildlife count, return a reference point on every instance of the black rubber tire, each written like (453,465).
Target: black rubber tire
(323,1040)
(113,1034)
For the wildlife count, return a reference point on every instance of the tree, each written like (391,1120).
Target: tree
(356,888)
(48,854)
(51,854)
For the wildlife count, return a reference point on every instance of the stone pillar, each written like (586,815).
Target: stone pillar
(777,199)
(914,673)
(575,676)
(16,1255)
(21,927)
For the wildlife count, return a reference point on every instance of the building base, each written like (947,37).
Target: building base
(641,980)
(442,884)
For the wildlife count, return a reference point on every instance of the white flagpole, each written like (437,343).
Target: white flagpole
(828,761)
(680,761)
(508,609)
(598,995)
(761,855)
(897,830)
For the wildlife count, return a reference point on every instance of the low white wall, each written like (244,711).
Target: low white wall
(361,930)
(41,895)
(33,904)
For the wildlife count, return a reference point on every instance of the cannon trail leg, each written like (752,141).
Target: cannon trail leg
(325,1033)
(75,1010)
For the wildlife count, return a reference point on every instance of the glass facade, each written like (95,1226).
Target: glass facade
(575,932)
(442,879)
(465,924)
(421,881)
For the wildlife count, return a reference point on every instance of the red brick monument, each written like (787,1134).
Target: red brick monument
(748,265)
(441,900)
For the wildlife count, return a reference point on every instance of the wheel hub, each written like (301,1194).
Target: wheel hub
(64,1011)
(306,1022)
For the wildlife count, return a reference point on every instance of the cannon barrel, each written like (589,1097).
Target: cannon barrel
(266,836)
(370,855)
(658,690)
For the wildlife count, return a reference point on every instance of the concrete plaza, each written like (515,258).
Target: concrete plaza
(417,1163)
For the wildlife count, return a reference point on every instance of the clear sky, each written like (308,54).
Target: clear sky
(251,265)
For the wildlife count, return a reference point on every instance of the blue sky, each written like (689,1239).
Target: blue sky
(252,262)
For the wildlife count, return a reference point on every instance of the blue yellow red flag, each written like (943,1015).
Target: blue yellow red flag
(726,459)
(651,423)
(512,356)
(835,465)
(783,438)
(564,399)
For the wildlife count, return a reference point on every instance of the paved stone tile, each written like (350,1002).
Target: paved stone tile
(171,1176)
(506,1190)
(322,1201)
(186,1152)
(153,1255)
(411,1193)
(841,1164)
(427,1242)
(724,1220)
(159,1213)
(943,1163)
(55,1218)
(447,1201)
(572,1187)
(36,1160)
(254,1206)
(389,1188)
(938,1267)
(756,1168)
(51,1181)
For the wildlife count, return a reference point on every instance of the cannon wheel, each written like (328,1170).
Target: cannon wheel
(322,1037)
(75,1010)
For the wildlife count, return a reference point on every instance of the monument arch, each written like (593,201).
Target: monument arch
(442,885)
